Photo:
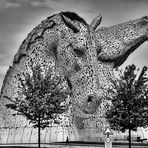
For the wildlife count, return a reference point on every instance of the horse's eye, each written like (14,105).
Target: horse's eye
(79,52)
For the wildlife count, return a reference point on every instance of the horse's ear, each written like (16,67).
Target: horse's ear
(70,24)
(96,22)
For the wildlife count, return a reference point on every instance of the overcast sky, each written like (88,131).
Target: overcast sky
(19,17)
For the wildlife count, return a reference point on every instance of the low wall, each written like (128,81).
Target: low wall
(30,135)
(51,134)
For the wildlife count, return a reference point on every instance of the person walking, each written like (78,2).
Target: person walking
(67,141)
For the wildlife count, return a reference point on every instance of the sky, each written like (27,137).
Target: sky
(19,17)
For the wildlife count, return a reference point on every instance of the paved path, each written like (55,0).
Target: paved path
(71,146)
(49,146)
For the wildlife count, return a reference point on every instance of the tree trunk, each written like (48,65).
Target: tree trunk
(39,131)
(129,137)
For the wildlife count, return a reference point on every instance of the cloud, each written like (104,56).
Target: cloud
(135,1)
(3,70)
(24,3)
(7,4)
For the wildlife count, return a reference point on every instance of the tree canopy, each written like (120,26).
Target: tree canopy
(42,96)
(129,106)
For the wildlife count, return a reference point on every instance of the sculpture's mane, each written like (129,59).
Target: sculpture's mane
(74,17)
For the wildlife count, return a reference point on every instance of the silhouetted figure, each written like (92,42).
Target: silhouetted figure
(67,141)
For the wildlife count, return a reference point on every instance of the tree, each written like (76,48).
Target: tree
(42,96)
(129,106)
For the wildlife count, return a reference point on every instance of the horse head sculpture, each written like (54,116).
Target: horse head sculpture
(84,55)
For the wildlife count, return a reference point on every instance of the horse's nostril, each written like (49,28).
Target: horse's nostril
(90,99)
